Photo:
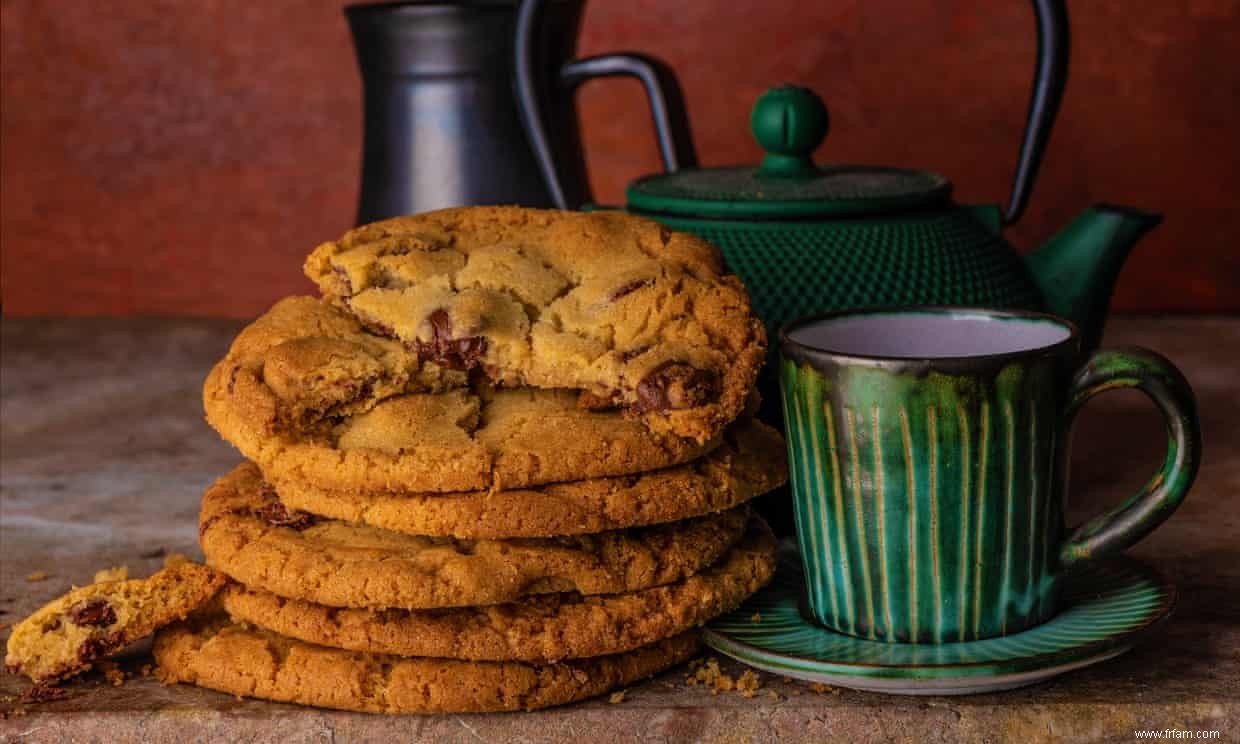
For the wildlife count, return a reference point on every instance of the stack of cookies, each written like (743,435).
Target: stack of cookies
(503,462)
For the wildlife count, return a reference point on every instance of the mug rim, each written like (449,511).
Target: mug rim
(803,351)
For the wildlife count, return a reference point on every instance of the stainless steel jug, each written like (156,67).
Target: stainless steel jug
(442,123)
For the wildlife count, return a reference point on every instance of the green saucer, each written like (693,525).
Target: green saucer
(1105,609)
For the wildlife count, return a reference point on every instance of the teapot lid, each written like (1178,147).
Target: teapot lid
(790,123)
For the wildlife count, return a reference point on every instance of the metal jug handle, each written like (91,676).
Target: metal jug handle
(1049,78)
(667,106)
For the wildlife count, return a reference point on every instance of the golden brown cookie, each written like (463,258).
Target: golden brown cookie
(454,441)
(750,462)
(305,362)
(605,302)
(67,635)
(539,629)
(244,661)
(248,534)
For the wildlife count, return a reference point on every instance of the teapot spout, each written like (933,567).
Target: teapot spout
(1077,268)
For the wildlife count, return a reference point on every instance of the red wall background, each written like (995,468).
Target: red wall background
(180,157)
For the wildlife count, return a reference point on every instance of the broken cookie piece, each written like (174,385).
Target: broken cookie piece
(305,364)
(69,634)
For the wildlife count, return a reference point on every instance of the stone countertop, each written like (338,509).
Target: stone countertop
(103,456)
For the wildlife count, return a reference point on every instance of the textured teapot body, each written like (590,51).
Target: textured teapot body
(944,256)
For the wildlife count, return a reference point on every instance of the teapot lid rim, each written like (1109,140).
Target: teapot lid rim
(833,191)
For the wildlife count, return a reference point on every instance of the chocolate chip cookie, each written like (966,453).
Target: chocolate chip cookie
(244,661)
(460,440)
(750,462)
(67,635)
(608,303)
(309,395)
(538,629)
(248,534)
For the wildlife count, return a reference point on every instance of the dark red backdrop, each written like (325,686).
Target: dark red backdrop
(182,157)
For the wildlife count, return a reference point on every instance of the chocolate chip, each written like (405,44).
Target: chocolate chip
(343,277)
(278,515)
(672,386)
(629,288)
(454,353)
(92,612)
(353,390)
(98,647)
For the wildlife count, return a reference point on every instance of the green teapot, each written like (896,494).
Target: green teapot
(809,238)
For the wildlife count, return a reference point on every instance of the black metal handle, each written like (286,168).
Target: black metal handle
(1049,79)
(667,106)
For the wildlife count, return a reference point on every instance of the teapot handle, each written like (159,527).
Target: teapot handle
(1049,78)
(667,107)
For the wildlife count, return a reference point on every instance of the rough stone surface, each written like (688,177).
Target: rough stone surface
(103,457)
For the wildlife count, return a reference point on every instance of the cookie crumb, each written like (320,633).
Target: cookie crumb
(748,684)
(113,673)
(823,689)
(774,695)
(115,573)
(146,670)
(616,697)
(36,576)
(706,672)
(176,559)
(757,618)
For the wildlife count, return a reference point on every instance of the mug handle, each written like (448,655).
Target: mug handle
(1152,374)
(667,104)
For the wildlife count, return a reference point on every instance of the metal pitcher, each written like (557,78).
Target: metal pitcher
(442,122)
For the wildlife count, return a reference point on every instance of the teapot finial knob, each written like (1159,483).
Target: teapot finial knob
(789,122)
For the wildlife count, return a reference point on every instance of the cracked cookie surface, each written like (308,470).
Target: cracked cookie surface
(305,363)
(539,629)
(248,534)
(246,661)
(307,394)
(608,303)
(750,462)
(67,635)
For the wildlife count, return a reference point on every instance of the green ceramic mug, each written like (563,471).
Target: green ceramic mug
(928,450)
